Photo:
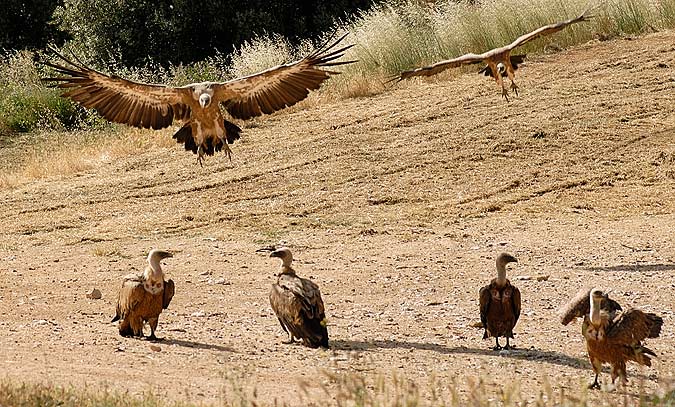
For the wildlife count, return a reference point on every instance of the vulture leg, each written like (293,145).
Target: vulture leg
(200,155)
(125,329)
(227,151)
(507,347)
(595,384)
(153,325)
(498,346)
(512,77)
(290,339)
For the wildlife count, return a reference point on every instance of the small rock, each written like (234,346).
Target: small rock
(543,278)
(199,314)
(95,294)
(155,348)
(41,322)
(524,278)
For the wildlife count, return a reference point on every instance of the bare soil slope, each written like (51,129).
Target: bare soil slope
(396,205)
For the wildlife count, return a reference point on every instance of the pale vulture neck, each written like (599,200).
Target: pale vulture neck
(595,311)
(155,268)
(501,274)
(286,268)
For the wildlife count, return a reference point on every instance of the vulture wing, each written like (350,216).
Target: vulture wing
(120,100)
(515,298)
(632,326)
(130,295)
(169,291)
(281,86)
(440,66)
(484,301)
(580,305)
(548,29)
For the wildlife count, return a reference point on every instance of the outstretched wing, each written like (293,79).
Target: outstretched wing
(632,326)
(167,295)
(439,67)
(549,29)
(120,100)
(281,86)
(131,293)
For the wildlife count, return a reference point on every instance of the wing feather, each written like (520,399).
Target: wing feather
(548,29)
(484,302)
(441,66)
(117,99)
(167,295)
(632,326)
(515,298)
(580,306)
(131,294)
(281,86)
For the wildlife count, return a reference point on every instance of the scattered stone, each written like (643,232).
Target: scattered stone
(41,322)
(543,278)
(524,278)
(477,324)
(199,314)
(155,348)
(95,294)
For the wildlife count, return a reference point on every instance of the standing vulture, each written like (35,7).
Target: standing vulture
(499,60)
(612,335)
(500,304)
(297,303)
(197,105)
(142,297)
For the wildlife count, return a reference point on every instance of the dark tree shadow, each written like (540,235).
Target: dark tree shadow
(536,355)
(635,267)
(196,345)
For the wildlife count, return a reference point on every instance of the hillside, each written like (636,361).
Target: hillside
(396,205)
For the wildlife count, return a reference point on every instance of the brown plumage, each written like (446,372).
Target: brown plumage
(612,336)
(498,60)
(197,105)
(500,304)
(143,297)
(298,305)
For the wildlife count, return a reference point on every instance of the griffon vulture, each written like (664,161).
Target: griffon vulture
(197,105)
(142,297)
(297,304)
(499,60)
(612,336)
(500,304)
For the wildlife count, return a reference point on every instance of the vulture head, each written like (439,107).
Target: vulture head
(501,68)
(505,258)
(284,254)
(204,100)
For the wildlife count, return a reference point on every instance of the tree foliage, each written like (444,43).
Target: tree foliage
(184,31)
(26,24)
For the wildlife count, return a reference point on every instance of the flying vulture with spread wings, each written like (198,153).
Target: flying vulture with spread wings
(612,335)
(499,61)
(197,105)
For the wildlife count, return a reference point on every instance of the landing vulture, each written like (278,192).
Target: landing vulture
(612,335)
(297,304)
(197,105)
(499,60)
(500,304)
(142,297)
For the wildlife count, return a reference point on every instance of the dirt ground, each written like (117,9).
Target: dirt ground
(396,205)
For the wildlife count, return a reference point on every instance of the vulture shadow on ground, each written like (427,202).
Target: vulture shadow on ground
(536,355)
(195,345)
(635,267)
